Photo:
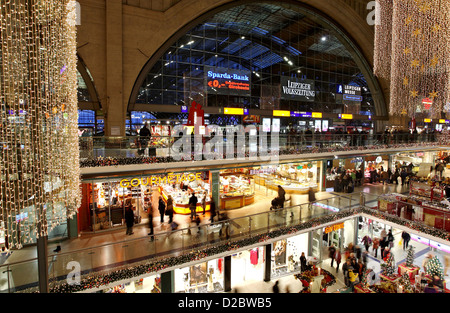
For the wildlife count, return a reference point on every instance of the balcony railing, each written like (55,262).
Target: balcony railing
(163,248)
(107,151)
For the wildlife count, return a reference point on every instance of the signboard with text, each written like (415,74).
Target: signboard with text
(225,81)
(293,88)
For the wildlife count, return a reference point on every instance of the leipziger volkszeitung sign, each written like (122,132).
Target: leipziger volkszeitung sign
(293,88)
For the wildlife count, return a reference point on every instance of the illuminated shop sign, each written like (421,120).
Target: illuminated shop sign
(346,116)
(352,90)
(352,98)
(335,227)
(293,88)
(227,81)
(350,93)
(171,178)
(281,113)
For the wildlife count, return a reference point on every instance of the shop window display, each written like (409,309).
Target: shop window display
(183,191)
(247,266)
(295,178)
(237,188)
(200,278)
(286,255)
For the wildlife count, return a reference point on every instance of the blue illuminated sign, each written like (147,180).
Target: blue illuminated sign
(184,109)
(353,98)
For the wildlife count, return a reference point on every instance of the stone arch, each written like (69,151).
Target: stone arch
(352,28)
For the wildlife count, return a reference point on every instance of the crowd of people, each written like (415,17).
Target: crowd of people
(347,180)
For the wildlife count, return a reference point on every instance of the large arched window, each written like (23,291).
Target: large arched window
(258,56)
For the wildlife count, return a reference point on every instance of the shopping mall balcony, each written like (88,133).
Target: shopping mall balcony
(103,266)
(116,151)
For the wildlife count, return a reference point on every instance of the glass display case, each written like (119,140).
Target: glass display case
(294,178)
(237,189)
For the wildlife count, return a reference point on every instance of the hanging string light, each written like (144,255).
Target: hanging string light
(39,163)
(419,54)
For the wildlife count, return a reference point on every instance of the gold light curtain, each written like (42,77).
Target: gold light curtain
(40,176)
(412,51)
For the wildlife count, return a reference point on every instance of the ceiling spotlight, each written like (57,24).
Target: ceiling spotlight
(324,38)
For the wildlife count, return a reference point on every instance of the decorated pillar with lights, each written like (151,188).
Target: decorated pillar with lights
(412,40)
(39,163)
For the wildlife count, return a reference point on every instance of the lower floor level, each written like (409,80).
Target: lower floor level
(258,269)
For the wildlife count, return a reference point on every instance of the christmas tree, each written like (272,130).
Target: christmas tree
(434,268)
(406,283)
(410,257)
(388,267)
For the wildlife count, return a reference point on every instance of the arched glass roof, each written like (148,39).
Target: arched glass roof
(268,42)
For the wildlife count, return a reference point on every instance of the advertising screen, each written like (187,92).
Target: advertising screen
(225,81)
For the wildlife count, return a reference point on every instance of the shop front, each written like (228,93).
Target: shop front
(104,201)
(295,178)
(336,167)
(247,266)
(286,255)
(206,277)
(237,188)
(374,164)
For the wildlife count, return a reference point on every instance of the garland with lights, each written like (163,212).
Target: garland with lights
(97,280)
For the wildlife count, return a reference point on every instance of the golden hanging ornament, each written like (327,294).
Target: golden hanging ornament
(39,165)
(412,51)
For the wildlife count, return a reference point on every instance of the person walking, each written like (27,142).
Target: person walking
(193,206)
(276,288)
(311,197)
(366,241)
(150,222)
(331,252)
(390,238)
(406,238)
(161,208)
(375,245)
(281,196)
(129,219)
(212,210)
(345,268)
(144,134)
(169,209)
(303,262)
(383,244)
(338,258)
(204,203)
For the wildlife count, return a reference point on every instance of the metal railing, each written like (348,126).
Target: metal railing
(108,257)
(104,151)
(111,257)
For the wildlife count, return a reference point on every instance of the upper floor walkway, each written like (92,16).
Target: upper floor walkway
(132,150)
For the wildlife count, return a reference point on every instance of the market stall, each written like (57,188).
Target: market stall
(237,189)
(181,195)
(425,203)
(294,178)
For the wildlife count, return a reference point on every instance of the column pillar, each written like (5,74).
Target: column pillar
(215,187)
(268,262)
(227,273)
(167,282)
(115,110)
(42,254)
